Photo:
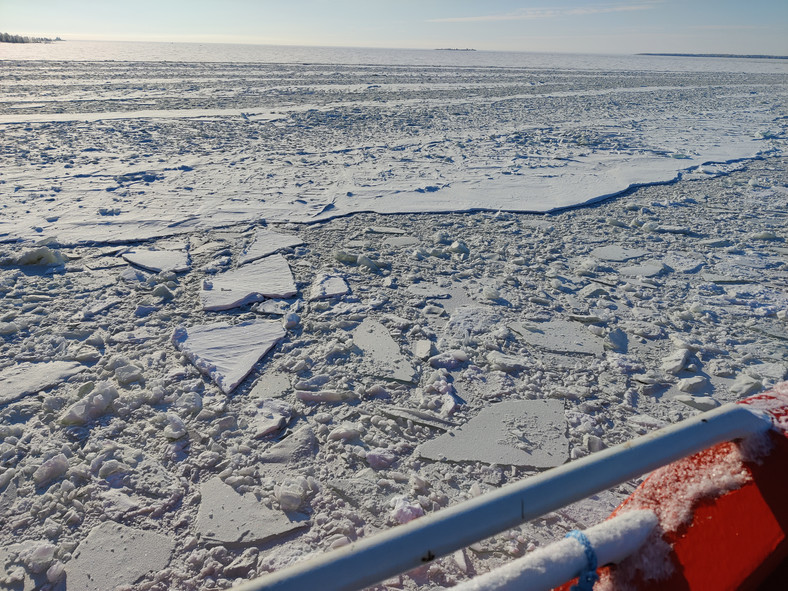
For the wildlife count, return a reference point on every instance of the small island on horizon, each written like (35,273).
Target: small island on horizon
(725,55)
(8,38)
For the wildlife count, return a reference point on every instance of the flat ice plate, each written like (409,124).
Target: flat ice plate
(514,433)
(225,352)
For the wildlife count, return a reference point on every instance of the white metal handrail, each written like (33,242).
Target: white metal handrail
(388,553)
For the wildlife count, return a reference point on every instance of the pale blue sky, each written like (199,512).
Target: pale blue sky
(626,26)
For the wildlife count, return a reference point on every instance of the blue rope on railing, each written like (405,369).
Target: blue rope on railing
(588,576)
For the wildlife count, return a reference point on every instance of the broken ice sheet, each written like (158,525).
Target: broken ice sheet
(115,555)
(617,253)
(514,433)
(560,336)
(226,517)
(268,242)
(328,286)
(158,261)
(267,278)
(23,379)
(225,352)
(382,355)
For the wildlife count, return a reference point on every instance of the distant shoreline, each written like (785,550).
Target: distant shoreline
(453,49)
(726,55)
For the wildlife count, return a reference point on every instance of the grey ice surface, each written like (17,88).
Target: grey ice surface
(516,433)
(617,253)
(158,260)
(560,336)
(328,286)
(22,379)
(266,278)
(271,385)
(227,353)
(226,517)
(268,242)
(114,555)
(645,269)
(382,355)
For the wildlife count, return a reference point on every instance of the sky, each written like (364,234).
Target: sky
(572,26)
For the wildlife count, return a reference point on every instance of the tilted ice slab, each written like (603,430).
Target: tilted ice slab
(18,381)
(225,352)
(382,355)
(226,517)
(268,242)
(328,286)
(513,433)
(158,260)
(115,555)
(266,278)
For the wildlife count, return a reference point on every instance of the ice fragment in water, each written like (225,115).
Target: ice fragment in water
(92,405)
(267,278)
(516,433)
(22,379)
(328,286)
(268,242)
(158,261)
(226,517)
(225,352)
(114,555)
(382,356)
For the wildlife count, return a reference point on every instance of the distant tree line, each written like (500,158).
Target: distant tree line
(8,38)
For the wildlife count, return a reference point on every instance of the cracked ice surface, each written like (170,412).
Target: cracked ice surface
(555,317)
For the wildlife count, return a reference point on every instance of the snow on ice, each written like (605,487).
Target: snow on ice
(266,278)
(406,362)
(226,352)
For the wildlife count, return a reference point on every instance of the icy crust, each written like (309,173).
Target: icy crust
(311,142)
(421,343)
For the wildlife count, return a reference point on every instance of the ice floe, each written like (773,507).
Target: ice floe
(158,261)
(22,379)
(266,278)
(516,432)
(226,517)
(226,352)
(266,242)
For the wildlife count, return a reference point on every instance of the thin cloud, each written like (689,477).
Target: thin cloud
(527,14)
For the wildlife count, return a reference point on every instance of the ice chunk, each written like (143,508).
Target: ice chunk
(50,470)
(43,255)
(423,349)
(267,278)
(226,352)
(676,361)
(271,416)
(22,379)
(293,448)
(268,242)
(115,555)
(382,356)
(226,517)
(745,384)
(91,406)
(516,432)
(617,253)
(693,384)
(157,261)
(702,403)
(644,269)
(560,336)
(328,286)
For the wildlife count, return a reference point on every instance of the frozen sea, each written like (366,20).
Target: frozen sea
(260,302)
